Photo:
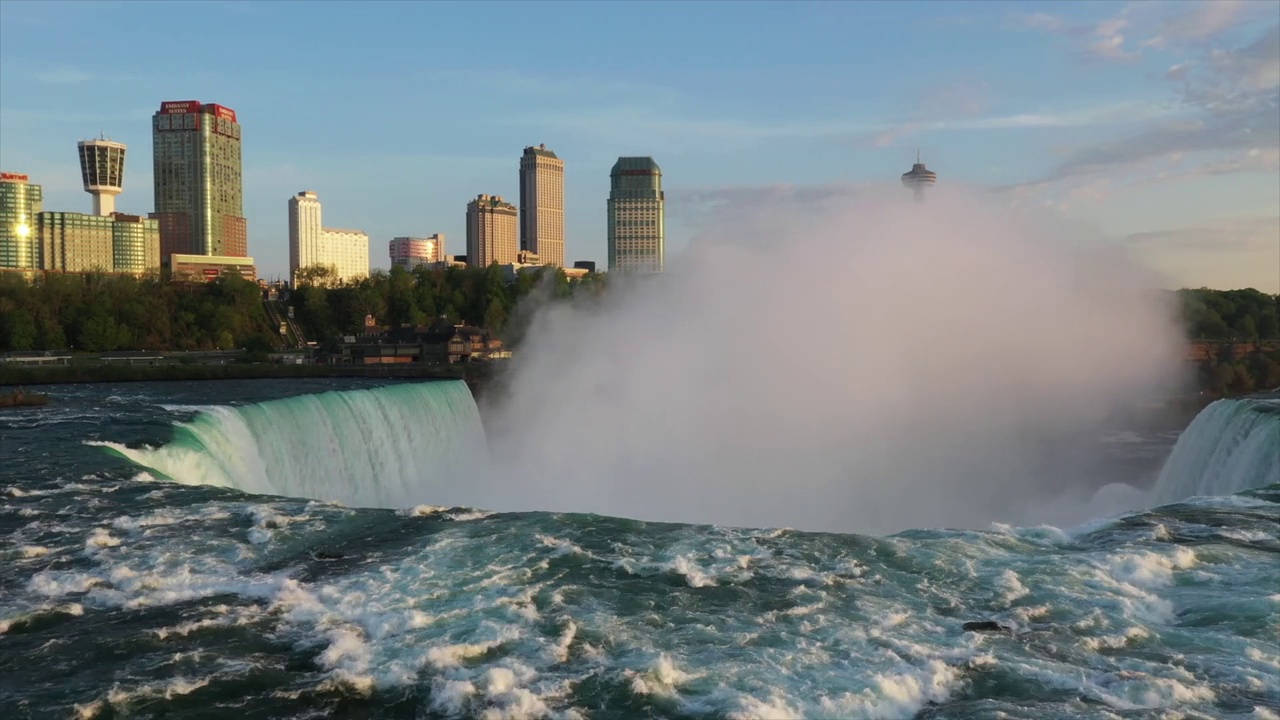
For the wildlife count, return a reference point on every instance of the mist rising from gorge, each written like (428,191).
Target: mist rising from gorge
(866,365)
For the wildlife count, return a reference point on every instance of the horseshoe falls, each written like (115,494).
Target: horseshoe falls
(384,447)
(1231,446)
(307,548)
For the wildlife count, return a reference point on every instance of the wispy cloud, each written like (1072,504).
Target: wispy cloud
(64,76)
(1201,22)
(1230,103)
(1240,235)
(1140,26)
(1107,115)
(1226,253)
(1261,160)
(1104,40)
(696,204)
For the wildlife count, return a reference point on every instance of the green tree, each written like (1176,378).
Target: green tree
(1246,328)
(19,329)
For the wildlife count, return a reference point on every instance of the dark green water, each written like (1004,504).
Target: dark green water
(123,595)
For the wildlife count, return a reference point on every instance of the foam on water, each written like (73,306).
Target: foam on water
(224,602)
(535,616)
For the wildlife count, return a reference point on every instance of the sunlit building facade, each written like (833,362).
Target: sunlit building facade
(20,203)
(116,243)
(198,176)
(311,244)
(491,232)
(411,252)
(637,216)
(542,205)
(207,268)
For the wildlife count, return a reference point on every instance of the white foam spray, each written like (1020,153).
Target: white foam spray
(866,365)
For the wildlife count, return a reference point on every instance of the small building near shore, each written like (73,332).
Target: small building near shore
(441,343)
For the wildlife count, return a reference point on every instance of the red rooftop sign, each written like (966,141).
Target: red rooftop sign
(225,113)
(14,177)
(182,107)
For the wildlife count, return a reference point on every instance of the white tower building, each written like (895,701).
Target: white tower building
(305,231)
(102,170)
(346,252)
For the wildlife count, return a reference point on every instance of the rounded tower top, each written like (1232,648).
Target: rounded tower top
(102,165)
(919,174)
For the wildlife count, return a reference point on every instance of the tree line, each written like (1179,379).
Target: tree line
(482,297)
(98,313)
(1240,315)
(101,313)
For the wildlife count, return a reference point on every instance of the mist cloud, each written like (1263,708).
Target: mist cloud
(865,365)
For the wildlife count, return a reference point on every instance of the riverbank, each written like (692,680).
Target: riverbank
(474,374)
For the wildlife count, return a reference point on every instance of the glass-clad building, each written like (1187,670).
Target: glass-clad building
(199,193)
(117,243)
(20,202)
(637,231)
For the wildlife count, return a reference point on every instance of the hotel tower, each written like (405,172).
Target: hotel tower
(542,205)
(199,199)
(637,230)
(491,232)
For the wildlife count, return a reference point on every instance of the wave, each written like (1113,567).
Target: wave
(393,446)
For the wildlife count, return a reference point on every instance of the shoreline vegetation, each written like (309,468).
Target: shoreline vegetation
(475,375)
(1233,335)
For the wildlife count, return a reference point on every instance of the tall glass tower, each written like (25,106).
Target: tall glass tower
(20,203)
(198,180)
(637,216)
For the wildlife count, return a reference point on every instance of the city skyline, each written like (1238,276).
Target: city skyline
(1154,122)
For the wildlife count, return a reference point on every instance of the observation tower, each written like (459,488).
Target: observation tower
(919,178)
(102,169)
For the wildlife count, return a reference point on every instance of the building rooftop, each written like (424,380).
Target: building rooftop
(541,151)
(635,163)
(493,201)
(919,173)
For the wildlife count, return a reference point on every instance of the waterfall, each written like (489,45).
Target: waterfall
(393,446)
(1232,445)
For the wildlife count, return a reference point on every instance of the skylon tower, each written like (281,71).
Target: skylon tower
(919,178)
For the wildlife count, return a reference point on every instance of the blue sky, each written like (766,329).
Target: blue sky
(1157,122)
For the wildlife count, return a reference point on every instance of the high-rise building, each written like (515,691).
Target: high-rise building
(637,216)
(542,205)
(491,232)
(311,244)
(919,178)
(20,202)
(410,252)
(116,243)
(198,180)
(102,170)
(305,230)
(347,252)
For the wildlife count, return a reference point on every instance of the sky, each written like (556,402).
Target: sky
(1158,124)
